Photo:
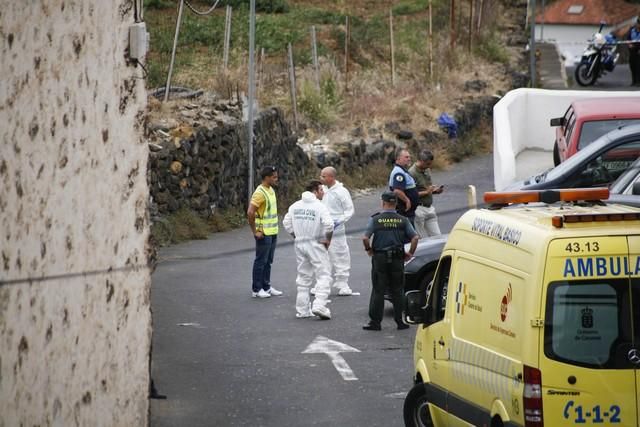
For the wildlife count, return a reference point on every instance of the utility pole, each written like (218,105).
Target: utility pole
(452,26)
(470,23)
(532,45)
(167,87)
(252,90)
(430,43)
(542,23)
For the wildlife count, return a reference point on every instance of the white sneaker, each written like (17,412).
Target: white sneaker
(304,315)
(322,312)
(261,294)
(273,291)
(345,292)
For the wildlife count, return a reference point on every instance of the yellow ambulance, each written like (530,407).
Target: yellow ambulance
(533,316)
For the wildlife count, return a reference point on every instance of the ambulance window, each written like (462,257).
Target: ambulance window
(440,288)
(588,323)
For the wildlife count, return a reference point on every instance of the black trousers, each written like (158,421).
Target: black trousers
(634,65)
(386,272)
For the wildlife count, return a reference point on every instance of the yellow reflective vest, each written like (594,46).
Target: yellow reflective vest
(268,221)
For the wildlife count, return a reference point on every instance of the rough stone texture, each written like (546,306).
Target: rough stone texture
(201,162)
(198,153)
(74,286)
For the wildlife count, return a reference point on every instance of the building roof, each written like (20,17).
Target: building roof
(588,12)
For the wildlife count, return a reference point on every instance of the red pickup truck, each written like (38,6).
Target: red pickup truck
(588,119)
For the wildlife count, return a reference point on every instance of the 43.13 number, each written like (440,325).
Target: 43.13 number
(577,247)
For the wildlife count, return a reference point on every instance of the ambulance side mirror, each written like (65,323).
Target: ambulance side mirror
(416,309)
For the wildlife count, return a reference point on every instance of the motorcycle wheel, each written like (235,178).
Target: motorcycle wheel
(582,75)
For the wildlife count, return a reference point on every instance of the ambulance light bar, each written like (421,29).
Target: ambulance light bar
(545,196)
(559,220)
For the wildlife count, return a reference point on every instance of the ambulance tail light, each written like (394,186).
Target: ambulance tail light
(545,196)
(532,397)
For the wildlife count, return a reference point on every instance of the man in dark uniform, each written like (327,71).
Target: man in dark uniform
(390,232)
(403,185)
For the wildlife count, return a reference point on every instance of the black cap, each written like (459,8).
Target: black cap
(389,197)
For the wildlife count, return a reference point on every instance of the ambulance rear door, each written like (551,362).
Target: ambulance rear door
(587,376)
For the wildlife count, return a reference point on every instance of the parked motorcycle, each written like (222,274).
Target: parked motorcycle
(598,58)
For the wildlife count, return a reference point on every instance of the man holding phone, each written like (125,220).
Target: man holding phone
(426,220)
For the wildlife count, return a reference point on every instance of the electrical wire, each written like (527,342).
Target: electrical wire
(146,73)
(201,13)
(31,280)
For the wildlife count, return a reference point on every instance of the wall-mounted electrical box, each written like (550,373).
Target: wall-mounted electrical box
(138,41)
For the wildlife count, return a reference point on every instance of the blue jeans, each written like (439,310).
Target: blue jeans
(265,248)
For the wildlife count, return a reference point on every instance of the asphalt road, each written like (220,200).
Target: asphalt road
(226,359)
(617,80)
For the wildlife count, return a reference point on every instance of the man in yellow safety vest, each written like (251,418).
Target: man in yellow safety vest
(262,215)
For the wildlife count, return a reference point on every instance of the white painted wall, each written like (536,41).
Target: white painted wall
(521,122)
(74,286)
(570,39)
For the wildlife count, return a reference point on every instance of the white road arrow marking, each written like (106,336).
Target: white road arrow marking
(333,349)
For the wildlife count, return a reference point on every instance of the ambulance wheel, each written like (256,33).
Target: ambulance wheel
(416,408)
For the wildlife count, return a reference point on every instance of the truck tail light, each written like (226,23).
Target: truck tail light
(532,397)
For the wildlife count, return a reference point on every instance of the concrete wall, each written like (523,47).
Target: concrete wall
(570,39)
(74,287)
(521,122)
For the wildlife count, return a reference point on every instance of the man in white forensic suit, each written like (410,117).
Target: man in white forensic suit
(338,200)
(310,224)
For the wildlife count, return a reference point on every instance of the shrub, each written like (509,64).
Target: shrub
(490,48)
(410,7)
(320,107)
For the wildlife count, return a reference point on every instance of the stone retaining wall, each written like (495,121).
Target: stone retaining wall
(201,164)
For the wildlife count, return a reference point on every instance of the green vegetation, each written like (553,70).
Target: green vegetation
(201,38)
(477,141)
(267,6)
(320,106)
(186,224)
(178,227)
(364,98)
(492,49)
(410,7)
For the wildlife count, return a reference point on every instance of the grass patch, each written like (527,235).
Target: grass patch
(492,49)
(185,224)
(410,7)
(477,141)
(368,176)
(320,107)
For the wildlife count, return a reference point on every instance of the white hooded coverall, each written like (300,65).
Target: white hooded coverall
(309,220)
(338,200)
